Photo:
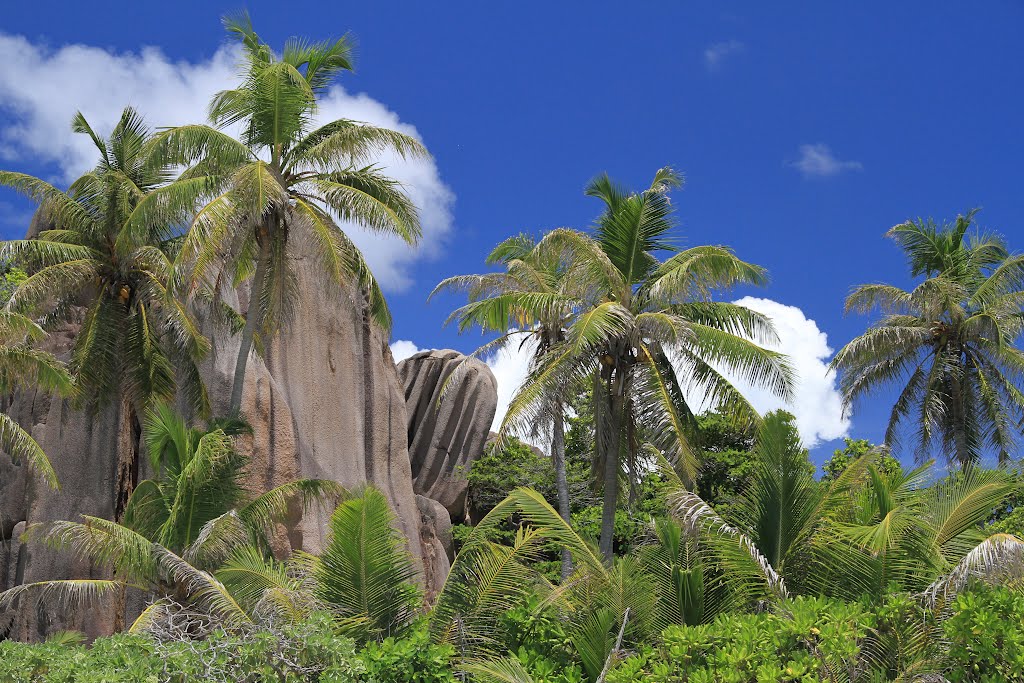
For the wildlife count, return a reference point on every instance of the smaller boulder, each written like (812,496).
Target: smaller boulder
(448,422)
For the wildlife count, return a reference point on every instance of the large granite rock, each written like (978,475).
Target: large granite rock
(446,432)
(325,401)
(82,449)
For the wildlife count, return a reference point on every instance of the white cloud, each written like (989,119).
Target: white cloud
(818,161)
(715,54)
(402,349)
(816,401)
(41,88)
(510,366)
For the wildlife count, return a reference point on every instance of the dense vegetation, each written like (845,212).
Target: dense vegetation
(690,537)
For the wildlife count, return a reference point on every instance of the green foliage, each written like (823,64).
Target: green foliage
(198,479)
(412,659)
(12,278)
(986,641)
(726,460)
(306,651)
(812,640)
(855,449)
(365,573)
(502,470)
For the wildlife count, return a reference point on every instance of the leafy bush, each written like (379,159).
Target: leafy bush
(413,659)
(309,651)
(817,640)
(500,471)
(986,637)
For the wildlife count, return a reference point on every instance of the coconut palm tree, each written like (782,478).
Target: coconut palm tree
(949,343)
(640,319)
(23,365)
(526,303)
(904,529)
(285,181)
(137,343)
(869,528)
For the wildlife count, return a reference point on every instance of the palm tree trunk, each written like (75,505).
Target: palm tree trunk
(249,331)
(963,453)
(561,481)
(611,466)
(127,458)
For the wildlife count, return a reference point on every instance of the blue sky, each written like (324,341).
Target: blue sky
(804,130)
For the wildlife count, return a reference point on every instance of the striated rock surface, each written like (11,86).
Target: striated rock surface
(446,434)
(324,402)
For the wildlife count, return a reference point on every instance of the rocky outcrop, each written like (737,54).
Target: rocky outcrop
(437,543)
(446,432)
(325,401)
(81,448)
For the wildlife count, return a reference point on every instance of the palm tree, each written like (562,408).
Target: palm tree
(949,343)
(639,319)
(22,365)
(364,575)
(191,520)
(284,181)
(110,251)
(857,534)
(365,572)
(527,302)
(901,529)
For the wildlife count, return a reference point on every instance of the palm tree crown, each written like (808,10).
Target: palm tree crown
(283,181)
(110,251)
(637,320)
(949,343)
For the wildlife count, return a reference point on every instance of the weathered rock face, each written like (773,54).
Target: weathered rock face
(325,402)
(446,434)
(437,543)
(81,448)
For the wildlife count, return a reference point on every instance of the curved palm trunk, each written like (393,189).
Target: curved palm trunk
(127,457)
(249,331)
(561,481)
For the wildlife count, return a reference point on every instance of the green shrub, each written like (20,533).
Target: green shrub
(818,639)
(413,659)
(309,651)
(986,637)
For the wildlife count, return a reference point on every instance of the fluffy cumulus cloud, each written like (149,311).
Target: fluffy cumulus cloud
(816,402)
(41,88)
(818,161)
(715,54)
(402,349)
(510,366)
